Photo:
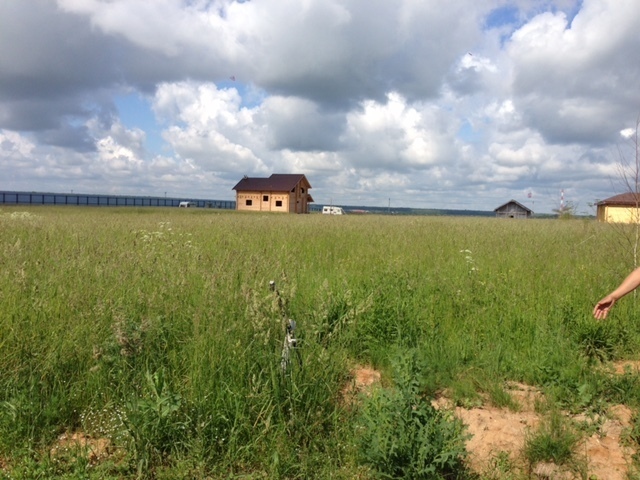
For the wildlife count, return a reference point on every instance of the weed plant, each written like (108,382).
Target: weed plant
(404,436)
(554,441)
(156,328)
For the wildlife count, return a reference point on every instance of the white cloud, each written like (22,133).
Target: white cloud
(209,127)
(396,135)
(573,79)
(14,146)
(418,100)
(145,23)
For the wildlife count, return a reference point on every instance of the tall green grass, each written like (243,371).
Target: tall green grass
(156,328)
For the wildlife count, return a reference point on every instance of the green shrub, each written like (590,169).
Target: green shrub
(404,436)
(156,422)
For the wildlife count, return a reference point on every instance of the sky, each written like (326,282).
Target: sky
(406,103)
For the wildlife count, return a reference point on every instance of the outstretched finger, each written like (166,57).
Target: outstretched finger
(601,311)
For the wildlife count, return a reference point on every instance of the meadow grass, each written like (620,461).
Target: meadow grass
(156,328)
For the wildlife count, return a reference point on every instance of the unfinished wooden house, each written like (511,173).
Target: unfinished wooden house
(286,193)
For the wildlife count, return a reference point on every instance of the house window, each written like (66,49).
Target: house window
(249,203)
(278,203)
(265,198)
(302,190)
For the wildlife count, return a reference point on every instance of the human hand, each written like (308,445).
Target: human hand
(601,310)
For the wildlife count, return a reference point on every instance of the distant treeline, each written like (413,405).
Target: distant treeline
(408,211)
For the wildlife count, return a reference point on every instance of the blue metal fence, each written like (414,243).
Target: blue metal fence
(41,198)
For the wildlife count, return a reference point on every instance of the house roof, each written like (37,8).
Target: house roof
(277,182)
(514,202)
(623,199)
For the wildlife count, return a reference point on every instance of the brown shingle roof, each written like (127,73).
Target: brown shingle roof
(278,182)
(629,199)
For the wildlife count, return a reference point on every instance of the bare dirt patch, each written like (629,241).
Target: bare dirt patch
(500,432)
(362,379)
(624,366)
(96,449)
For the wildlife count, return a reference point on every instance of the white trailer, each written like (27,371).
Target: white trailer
(327,210)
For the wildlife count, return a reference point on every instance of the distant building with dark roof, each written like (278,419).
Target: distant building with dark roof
(623,208)
(287,193)
(513,209)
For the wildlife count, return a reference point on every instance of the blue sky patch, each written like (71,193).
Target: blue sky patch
(468,134)
(135,112)
(502,16)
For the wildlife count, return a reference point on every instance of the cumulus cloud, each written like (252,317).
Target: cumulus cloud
(571,79)
(398,136)
(298,124)
(209,126)
(466,104)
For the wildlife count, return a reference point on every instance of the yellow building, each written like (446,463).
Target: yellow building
(623,208)
(287,193)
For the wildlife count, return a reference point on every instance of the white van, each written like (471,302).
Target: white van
(326,210)
(185,204)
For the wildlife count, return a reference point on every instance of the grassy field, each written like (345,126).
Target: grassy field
(156,330)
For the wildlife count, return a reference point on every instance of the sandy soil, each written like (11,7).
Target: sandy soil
(97,449)
(498,433)
(497,430)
